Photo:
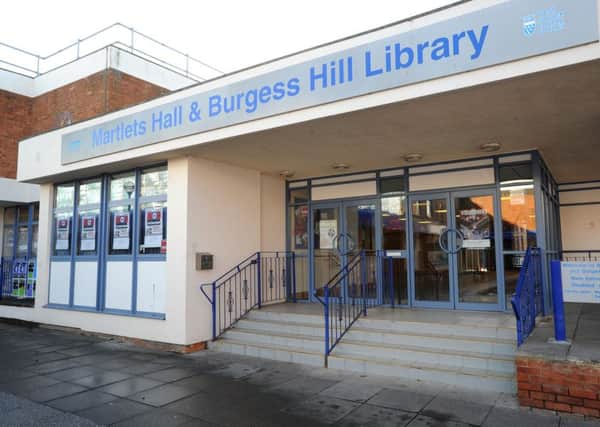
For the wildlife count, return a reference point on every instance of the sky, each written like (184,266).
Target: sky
(229,35)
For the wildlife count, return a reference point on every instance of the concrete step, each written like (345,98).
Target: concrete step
(418,337)
(228,345)
(467,327)
(398,352)
(412,354)
(435,373)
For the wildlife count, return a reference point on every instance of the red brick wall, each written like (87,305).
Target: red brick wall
(100,93)
(15,113)
(559,385)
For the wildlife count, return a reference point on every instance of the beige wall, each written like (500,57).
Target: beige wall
(580,226)
(227,211)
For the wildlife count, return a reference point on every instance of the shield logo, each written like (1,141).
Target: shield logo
(529,25)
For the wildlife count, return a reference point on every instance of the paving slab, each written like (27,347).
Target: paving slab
(405,400)
(81,401)
(171,374)
(54,391)
(425,421)
(114,411)
(130,386)
(350,390)
(100,379)
(368,415)
(501,417)
(324,409)
(444,408)
(163,395)
(157,418)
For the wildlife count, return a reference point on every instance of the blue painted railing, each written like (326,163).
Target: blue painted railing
(347,296)
(262,278)
(528,299)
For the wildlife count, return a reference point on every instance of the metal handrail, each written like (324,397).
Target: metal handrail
(344,302)
(528,300)
(261,278)
(131,46)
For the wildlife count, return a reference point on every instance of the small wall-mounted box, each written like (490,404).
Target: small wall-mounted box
(204,261)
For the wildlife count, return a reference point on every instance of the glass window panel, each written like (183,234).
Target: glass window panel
(154,182)
(392,185)
(36,212)
(10,215)
(299,196)
(34,240)
(299,227)
(87,239)
(22,241)
(65,195)
(9,242)
(515,173)
(393,220)
(153,228)
(63,230)
(395,281)
(89,193)
(122,186)
(23,214)
(120,235)
(518,217)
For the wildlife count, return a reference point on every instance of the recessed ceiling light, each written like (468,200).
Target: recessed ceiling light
(340,166)
(286,173)
(490,146)
(413,157)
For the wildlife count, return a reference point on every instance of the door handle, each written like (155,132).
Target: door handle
(444,236)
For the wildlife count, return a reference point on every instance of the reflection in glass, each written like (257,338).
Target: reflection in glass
(393,213)
(477,282)
(10,215)
(65,195)
(432,278)
(154,182)
(518,217)
(22,241)
(89,193)
(395,286)
(23,214)
(122,186)
(326,258)
(9,242)
(299,195)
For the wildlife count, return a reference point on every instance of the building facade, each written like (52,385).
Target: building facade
(450,142)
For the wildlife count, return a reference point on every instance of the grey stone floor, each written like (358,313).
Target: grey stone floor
(56,378)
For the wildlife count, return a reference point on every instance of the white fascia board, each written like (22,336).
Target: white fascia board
(39,157)
(15,192)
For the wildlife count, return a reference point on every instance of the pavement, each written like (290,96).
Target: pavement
(58,378)
(583,336)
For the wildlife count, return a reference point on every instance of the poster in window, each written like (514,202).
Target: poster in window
(121,231)
(474,225)
(88,233)
(153,228)
(301,228)
(62,234)
(327,233)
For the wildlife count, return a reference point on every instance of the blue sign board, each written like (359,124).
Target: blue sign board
(505,32)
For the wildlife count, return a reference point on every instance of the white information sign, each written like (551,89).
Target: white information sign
(121,231)
(581,281)
(62,234)
(88,233)
(327,233)
(154,227)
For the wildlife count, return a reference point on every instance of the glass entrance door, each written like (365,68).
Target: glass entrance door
(340,231)
(454,250)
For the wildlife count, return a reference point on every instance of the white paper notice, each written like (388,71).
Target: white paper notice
(88,233)
(121,231)
(153,226)
(62,234)
(327,233)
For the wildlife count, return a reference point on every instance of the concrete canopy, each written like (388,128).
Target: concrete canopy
(556,112)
